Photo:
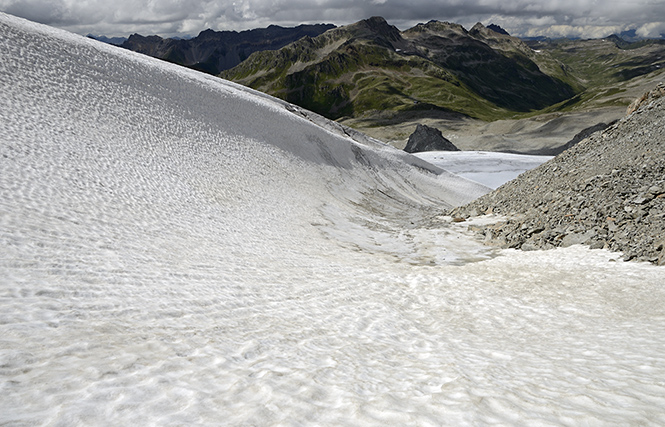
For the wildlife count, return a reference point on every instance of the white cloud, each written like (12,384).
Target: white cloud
(585,18)
(651,30)
(574,31)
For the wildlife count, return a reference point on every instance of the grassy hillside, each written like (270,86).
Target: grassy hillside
(370,68)
(605,69)
(496,66)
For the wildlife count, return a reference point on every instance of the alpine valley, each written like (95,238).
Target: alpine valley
(484,89)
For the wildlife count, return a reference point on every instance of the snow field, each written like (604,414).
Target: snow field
(488,168)
(179,250)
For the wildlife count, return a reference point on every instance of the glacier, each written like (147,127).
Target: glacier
(492,169)
(180,250)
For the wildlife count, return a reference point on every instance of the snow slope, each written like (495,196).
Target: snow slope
(178,250)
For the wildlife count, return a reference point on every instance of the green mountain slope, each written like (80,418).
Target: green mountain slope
(498,67)
(370,69)
(605,68)
(214,51)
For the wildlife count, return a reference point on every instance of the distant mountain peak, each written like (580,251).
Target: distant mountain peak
(109,40)
(618,41)
(213,51)
(137,36)
(434,26)
(375,25)
(376,20)
(210,33)
(491,31)
(478,27)
(497,29)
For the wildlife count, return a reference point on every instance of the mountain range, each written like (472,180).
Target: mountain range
(371,66)
(215,51)
(383,81)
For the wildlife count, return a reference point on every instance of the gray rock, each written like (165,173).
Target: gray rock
(426,138)
(580,136)
(577,239)
(530,246)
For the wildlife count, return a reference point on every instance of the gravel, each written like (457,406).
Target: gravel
(608,192)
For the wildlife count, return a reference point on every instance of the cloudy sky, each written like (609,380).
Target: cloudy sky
(168,18)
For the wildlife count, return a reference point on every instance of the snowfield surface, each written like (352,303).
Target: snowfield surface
(492,169)
(179,250)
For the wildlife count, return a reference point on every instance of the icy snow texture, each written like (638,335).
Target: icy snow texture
(178,250)
(492,169)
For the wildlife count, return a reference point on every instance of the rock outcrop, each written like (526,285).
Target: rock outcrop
(608,191)
(658,92)
(497,29)
(426,138)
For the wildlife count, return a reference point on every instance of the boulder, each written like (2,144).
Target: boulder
(426,138)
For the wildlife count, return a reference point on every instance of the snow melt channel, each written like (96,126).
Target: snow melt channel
(180,250)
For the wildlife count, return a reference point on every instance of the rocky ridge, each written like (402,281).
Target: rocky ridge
(580,136)
(608,191)
(215,51)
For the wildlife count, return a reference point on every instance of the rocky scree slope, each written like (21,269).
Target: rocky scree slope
(608,191)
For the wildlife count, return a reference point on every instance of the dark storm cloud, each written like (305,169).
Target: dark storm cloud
(587,18)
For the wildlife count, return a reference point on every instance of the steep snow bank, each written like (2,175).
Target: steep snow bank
(98,131)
